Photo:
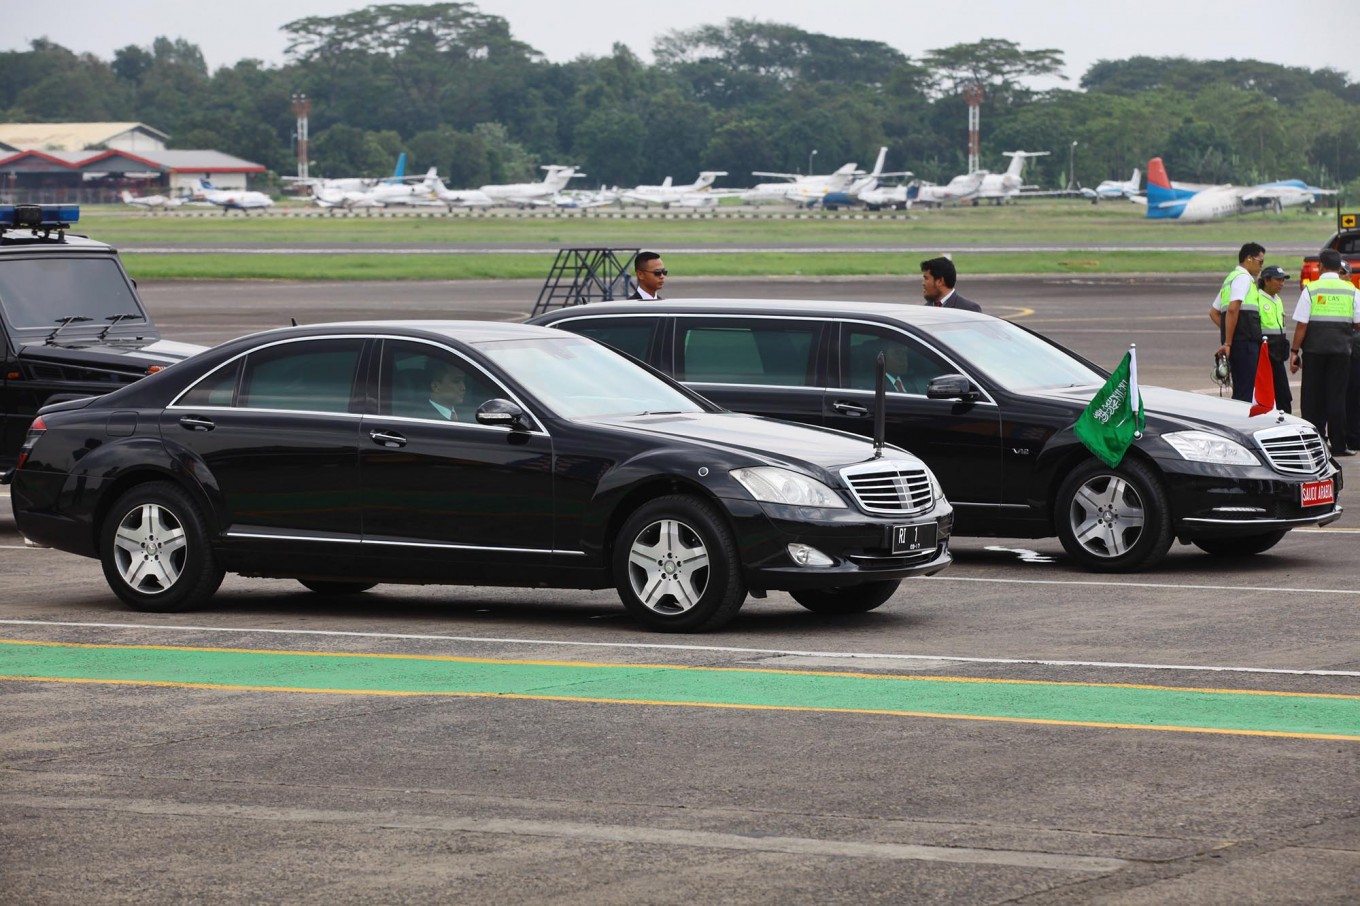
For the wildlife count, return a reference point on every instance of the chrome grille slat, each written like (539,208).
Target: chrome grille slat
(1296,449)
(889,487)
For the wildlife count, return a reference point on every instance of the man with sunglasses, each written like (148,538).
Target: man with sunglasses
(1237,314)
(651,276)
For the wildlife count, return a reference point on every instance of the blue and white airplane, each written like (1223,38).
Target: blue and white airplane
(1167,200)
(1114,188)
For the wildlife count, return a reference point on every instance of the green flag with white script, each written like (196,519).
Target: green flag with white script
(1115,416)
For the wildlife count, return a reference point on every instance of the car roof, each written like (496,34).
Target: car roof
(462,331)
(25,241)
(909,314)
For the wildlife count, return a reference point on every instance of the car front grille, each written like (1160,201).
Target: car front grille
(1293,448)
(889,487)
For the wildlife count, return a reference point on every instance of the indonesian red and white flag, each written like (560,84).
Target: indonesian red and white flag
(1263,394)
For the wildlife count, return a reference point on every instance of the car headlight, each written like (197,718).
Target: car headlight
(1201,446)
(772,485)
(936,489)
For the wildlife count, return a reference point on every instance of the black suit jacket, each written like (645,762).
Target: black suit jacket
(957,301)
(637,296)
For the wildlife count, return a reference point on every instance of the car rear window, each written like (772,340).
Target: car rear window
(313,376)
(747,351)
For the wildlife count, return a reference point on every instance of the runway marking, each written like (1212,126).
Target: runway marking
(1234,712)
(701,649)
(630,835)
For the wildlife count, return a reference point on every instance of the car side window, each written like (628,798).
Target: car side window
(309,376)
(632,335)
(422,381)
(217,389)
(908,365)
(747,351)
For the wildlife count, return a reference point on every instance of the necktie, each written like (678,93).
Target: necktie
(897,385)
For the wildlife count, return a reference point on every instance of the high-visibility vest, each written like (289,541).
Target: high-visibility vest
(1248,313)
(1272,313)
(1331,312)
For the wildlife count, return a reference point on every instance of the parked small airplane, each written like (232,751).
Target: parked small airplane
(459,198)
(351,183)
(232,199)
(525,194)
(151,202)
(963,187)
(1190,201)
(579,199)
(998,188)
(854,193)
(667,194)
(798,189)
(1114,188)
(407,192)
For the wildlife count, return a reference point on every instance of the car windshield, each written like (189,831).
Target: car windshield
(1016,359)
(45,292)
(580,378)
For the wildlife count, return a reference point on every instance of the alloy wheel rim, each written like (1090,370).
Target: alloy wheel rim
(1107,516)
(668,567)
(150,548)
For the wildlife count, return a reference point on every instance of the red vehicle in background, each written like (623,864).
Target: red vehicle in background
(1345,240)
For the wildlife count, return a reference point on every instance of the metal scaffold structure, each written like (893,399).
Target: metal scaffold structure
(581,275)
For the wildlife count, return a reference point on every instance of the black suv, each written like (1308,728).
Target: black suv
(73,325)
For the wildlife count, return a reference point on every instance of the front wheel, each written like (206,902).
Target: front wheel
(155,552)
(676,566)
(1240,547)
(849,599)
(1113,520)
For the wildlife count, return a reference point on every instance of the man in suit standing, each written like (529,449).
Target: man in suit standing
(938,276)
(650,271)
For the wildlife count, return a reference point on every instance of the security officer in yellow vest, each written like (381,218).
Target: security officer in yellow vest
(1239,319)
(1268,287)
(1326,318)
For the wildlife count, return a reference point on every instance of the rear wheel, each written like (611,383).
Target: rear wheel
(850,599)
(1240,547)
(155,552)
(676,566)
(336,588)
(1113,520)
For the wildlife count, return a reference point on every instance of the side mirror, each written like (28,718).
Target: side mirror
(951,387)
(502,413)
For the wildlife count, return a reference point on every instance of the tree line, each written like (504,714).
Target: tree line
(452,87)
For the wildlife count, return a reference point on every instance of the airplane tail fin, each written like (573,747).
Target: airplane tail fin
(706,178)
(1163,199)
(1157,175)
(127,197)
(665,183)
(399,171)
(1135,179)
(878,164)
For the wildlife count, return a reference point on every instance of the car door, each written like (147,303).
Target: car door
(959,440)
(277,431)
(445,493)
(769,366)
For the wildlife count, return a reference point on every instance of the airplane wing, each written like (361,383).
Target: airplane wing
(790,176)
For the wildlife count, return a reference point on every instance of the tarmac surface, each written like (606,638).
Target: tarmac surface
(1011,731)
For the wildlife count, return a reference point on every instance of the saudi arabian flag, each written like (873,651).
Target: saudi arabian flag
(1115,416)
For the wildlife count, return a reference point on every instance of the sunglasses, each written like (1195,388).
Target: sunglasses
(660,273)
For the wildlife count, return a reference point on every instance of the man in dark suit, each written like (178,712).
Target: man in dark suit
(650,271)
(447,387)
(938,276)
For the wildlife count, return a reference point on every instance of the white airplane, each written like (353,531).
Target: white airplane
(798,189)
(408,192)
(1114,188)
(232,199)
(963,187)
(998,188)
(667,194)
(1167,200)
(459,198)
(533,193)
(854,193)
(351,183)
(151,202)
(595,199)
(344,198)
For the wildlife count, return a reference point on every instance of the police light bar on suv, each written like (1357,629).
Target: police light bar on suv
(38,217)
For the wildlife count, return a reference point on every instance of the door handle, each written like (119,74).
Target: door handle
(197,423)
(387,438)
(854,409)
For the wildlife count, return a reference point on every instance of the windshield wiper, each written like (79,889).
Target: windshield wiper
(113,322)
(62,324)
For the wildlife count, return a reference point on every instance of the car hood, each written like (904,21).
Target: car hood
(121,355)
(766,439)
(1179,410)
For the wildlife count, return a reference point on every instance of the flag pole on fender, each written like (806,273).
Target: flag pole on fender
(1263,391)
(1114,419)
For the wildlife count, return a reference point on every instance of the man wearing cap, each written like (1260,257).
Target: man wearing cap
(1325,321)
(1236,313)
(1268,287)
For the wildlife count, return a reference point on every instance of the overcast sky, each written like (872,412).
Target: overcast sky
(1084,31)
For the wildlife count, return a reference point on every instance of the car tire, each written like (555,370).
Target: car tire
(1113,520)
(155,552)
(1240,547)
(336,588)
(848,599)
(676,566)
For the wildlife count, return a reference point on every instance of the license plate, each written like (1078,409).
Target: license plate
(908,538)
(1317,493)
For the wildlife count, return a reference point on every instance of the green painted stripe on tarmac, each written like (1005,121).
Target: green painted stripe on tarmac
(1149,707)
